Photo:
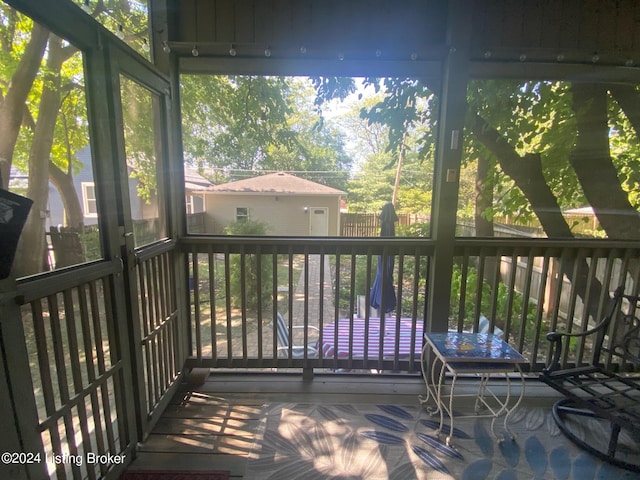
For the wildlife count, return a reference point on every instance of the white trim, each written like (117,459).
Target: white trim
(87,200)
(244,218)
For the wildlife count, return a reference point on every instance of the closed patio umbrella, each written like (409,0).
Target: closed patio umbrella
(383,283)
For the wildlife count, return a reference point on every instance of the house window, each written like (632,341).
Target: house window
(195,204)
(89,199)
(190,205)
(242,214)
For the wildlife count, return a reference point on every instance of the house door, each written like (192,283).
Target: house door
(319,221)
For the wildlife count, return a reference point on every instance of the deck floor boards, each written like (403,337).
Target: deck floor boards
(212,426)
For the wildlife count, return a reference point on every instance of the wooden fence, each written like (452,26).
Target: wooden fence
(368,224)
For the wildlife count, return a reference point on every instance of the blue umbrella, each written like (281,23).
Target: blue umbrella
(383,283)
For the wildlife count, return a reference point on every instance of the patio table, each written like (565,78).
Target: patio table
(359,336)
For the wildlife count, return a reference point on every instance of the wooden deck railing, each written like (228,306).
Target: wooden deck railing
(527,287)
(98,382)
(79,372)
(240,284)
(156,338)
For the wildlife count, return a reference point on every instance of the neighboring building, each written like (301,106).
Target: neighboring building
(141,209)
(287,204)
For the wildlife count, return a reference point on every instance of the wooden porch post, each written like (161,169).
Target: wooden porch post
(168,63)
(447,165)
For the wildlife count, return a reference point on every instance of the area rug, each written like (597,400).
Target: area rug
(173,475)
(381,442)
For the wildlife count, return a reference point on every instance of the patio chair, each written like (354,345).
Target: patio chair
(483,327)
(297,351)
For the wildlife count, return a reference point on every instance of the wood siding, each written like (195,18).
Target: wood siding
(558,31)
(357,28)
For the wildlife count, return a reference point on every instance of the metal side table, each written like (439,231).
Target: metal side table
(480,354)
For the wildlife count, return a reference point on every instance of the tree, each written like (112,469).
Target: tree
(39,156)
(387,163)
(553,140)
(256,123)
(43,117)
(21,56)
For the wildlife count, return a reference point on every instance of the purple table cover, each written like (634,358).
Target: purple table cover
(358,335)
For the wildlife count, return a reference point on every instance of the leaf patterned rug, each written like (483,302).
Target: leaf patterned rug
(370,442)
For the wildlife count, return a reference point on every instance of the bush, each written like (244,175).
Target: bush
(251,266)
(502,297)
(246,227)
(421,230)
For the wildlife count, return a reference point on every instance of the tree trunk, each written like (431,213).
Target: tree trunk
(591,160)
(12,105)
(32,250)
(527,173)
(628,99)
(64,184)
(484,199)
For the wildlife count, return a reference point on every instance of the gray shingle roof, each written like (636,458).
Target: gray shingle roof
(275,183)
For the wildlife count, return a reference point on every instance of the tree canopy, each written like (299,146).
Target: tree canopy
(241,125)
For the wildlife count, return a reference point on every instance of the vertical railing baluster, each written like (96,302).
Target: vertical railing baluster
(259,299)
(464,274)
(477,307)
(400,278)
(274,312)
(321,312)
(305,304)
(244,280)
(213,331)
(227,287)
(367,301)
(63,385)
(290,305)
(604,299)
(495,290)
(591,278)
(144,320)
(151,343)
(90,367)
(417,260)
(161,318)
(526,294)
(510,296)
(539,310)
(103,368)
(73,353)
(336,308)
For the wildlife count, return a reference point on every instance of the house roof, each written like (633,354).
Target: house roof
(279,183)
(194,181)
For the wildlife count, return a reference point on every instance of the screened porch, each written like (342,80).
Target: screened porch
(516,123)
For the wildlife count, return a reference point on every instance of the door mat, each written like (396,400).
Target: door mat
(389,442)
(173,475)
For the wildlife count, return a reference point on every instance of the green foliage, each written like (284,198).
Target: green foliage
(502,304)
(401,112)
(139,136)
(246,227)
(90,240)
(414,230)
(256,123)
(246,275)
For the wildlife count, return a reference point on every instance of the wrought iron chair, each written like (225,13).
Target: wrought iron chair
(606,389)
(284,340)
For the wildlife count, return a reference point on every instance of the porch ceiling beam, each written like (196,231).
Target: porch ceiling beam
(277,66)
